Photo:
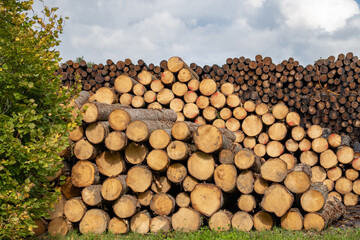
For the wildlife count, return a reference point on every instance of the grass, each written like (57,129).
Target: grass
(206,233)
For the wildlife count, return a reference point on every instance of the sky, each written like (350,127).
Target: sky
(207,31)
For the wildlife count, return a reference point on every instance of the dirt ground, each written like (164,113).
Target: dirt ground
(351,218)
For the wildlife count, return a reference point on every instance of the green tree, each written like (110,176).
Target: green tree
(33,119)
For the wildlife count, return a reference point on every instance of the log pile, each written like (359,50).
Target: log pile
(325,93)
(146,170)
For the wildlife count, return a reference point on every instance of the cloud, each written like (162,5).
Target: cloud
(208,32)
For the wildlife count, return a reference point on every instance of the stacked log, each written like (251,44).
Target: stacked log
(325,93)
(142,170)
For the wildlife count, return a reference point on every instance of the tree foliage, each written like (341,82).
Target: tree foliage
(33,120)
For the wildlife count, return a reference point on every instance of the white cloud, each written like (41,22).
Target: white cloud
(327,15)
(208,32)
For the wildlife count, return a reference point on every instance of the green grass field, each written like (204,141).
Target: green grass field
(205,233)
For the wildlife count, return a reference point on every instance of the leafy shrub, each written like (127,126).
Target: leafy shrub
(33,123)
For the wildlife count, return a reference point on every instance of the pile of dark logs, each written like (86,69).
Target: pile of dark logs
(147,170)
(325,94)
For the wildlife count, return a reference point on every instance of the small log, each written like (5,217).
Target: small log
(94,221)
(124,84)
(345,154)
(290,160)
(110,163)
(114,187)
(161,185)
(277,131)
(126,206)
(263,221)
(245,159)
(91,195)
(140,222)
(328,159)
(69,190)
(334,173)
(207,87)
(139,178)
(260,185)
(201,165)
(206,198)
(84,173)
(319,145)
(139,131)
(275,194)
(246,203)
(220,221)
(186,220)
(118,226)
(116,141)
(245,182)
(292,220)
(160,224)
(274,170)
(59,227)
(74,209)
(318,174)
(315,131)
(105,95)
(343,185)
(144,198)
(225,177)
(84,150)
(309,157)
(208,138)
(280,111)
(189,183)
(242,221)
(99,111)
(298,133)
(274,149)
(182,200)
(176,172)
(178,150)
(162,204)
(314,198)
(136,153)
(252,125)
(298,180)
(158,160)
(351,199)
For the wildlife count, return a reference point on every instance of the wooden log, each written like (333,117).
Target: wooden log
(261,109)
(186,220)
(167,77)
(207,87)
(242,221)
(292,119)
(136,153)
(160,224)
(280,111)
(274,149)
(116,141)
(275,194)
(189,183)
(208,138)
(118,225)
(59,227)
(162,204)
(176,172)
(182,200)
(178,150)
(110,163)
(290,160)
(84,173)
(351,174)
(77,134)
(94,221)
(124,84)
(158,160)
(252,125)
(263,221)
(343,185)
(345,154)
(126,206)
(220,221)
(201,165)
(274,170)
(328,159)
(191,111)
(84,150)
(144,198)
(334,173)
(126,99)
(334,140)
(298,133)
(329,184)
(314,198)
(298,180)
(239,113)
(318,174)
(140,222)
(245,159)
(91,195)
(309,157)
(69,190)
(333,210)
(74,209)
(58,209)
(246,203)
(179,89)
(291,145)
(268,119)
(114,187)
(139,178)
(145,77)
(120,119)
(176,105)
(277,131)
(351,199)
(245,182)
(206,198)
(319,145)
(292,220)
(260,185)
(305,145)
(150,96)
(315,131)
(165,96)
(225,176)
(105,95)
